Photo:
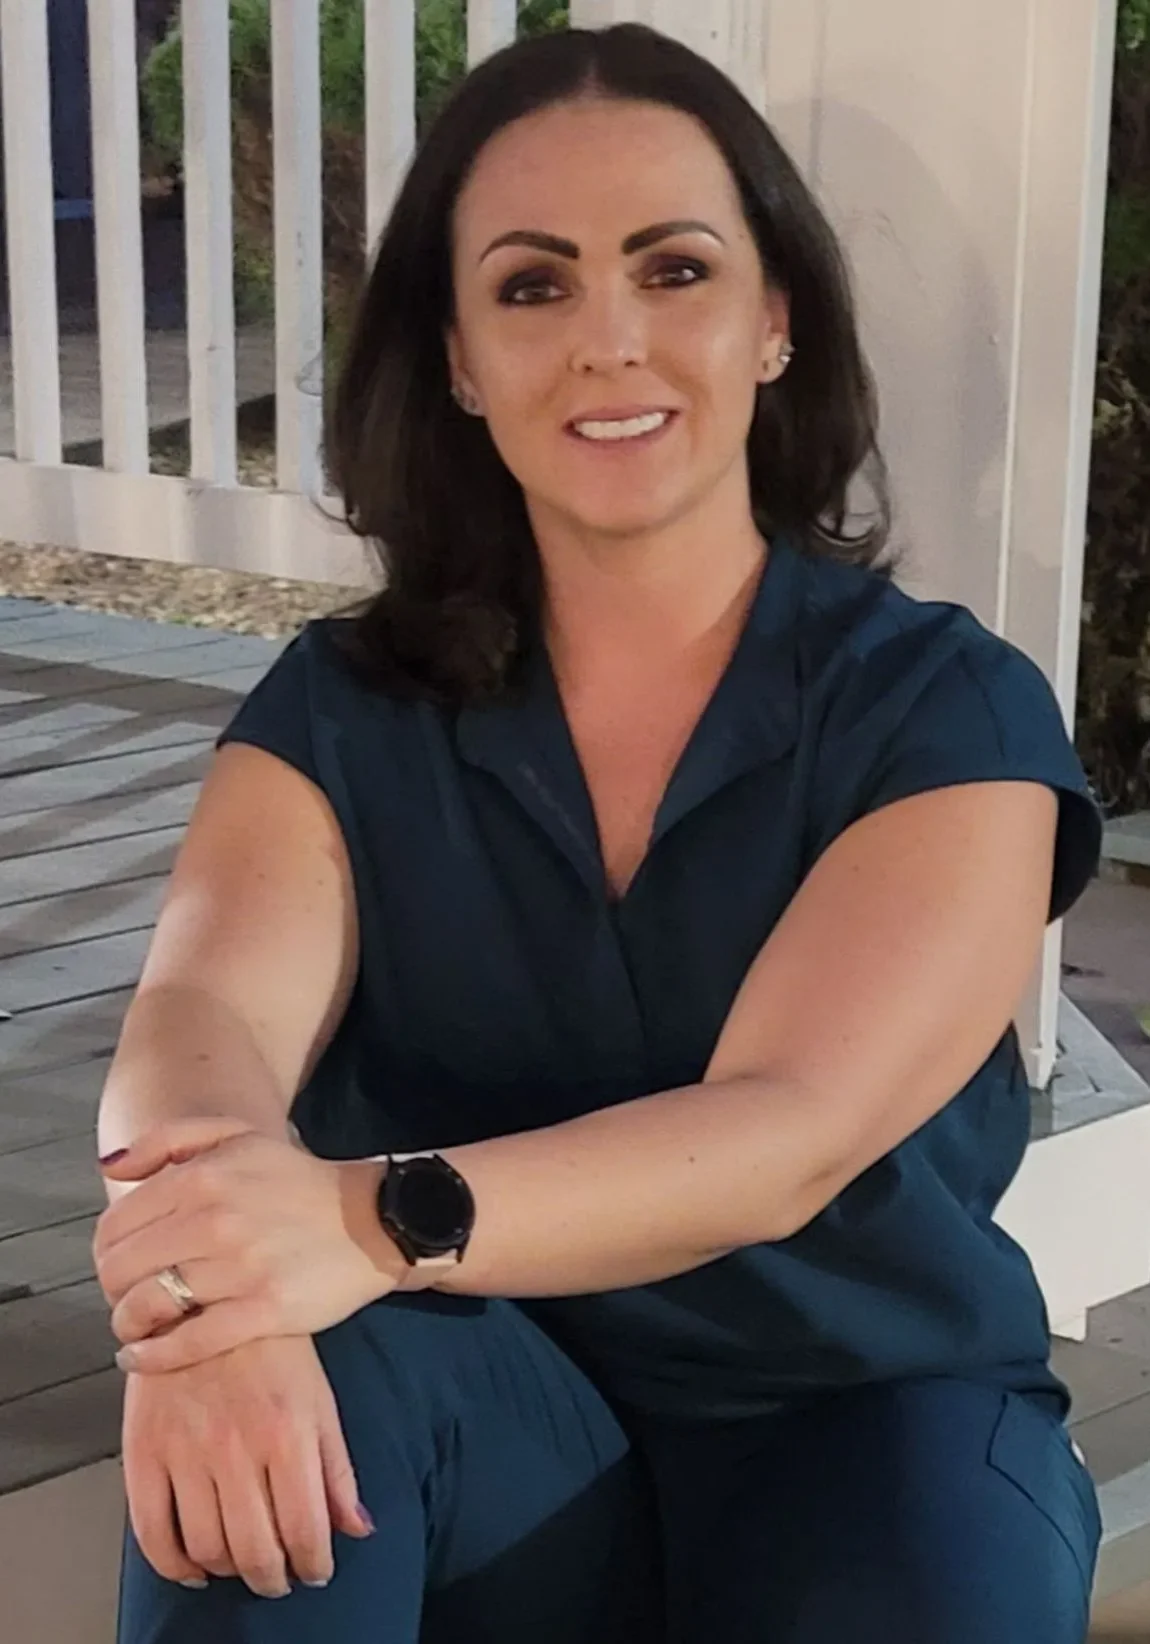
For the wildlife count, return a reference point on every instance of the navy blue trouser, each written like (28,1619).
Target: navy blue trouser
(513,1510)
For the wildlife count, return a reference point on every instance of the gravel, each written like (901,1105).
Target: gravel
(238,601)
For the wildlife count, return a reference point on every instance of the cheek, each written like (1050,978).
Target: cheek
(729,352)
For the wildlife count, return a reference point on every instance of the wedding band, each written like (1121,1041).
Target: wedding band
(174,1283)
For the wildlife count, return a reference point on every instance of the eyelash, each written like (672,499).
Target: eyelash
(510,294)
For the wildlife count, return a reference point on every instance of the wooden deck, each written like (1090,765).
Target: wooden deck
(106,728)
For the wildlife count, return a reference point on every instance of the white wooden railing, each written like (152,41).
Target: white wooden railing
(207,518)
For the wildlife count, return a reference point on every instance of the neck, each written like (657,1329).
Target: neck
(624,605)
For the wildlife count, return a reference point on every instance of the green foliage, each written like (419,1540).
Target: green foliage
(441,61)
(1128,233)
(1114,682)
(1133,24)
(440,58)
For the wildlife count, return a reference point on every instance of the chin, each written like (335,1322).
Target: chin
(623,519)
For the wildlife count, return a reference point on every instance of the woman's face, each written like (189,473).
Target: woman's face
(612,319)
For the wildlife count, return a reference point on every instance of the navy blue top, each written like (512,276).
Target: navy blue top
(502,988)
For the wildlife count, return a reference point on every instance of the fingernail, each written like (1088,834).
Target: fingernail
(323,1583)
(365,1519)
(194,1584)
(114,1158)
(127,1359)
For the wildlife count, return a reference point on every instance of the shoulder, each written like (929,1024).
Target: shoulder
(314,711)
(868,646)
(906,696)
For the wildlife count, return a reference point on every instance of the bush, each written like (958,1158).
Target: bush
(441,59)
(1114,683)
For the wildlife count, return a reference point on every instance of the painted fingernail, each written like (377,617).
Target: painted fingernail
(114,1158)
(365,1519)
(195,1585)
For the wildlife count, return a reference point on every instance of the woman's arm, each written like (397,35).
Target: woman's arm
(892,976)
(252,962)
(884,988)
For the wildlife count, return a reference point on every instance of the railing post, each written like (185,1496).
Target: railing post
(208,224)
(490,26)
(297,139)
(31,229)
(389,86)
(119,234)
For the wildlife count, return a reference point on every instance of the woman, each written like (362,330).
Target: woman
(648,858)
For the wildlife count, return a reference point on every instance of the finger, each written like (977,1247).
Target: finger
(146,1206)
(299,1502)
(200,1522)
(200,1336)
(182,1239)
(346,1511)
(151,1512)
(170,1143)
(148,1309)
(250,1529)
(186,1183)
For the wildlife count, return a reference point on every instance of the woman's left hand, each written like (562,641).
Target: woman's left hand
(259,1229)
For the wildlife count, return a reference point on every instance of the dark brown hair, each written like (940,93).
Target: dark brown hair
(424,482)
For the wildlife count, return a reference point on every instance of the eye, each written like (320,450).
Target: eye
(672,272)
(530,288)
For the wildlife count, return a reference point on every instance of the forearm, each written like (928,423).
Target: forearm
(635,1193)
(184,1054)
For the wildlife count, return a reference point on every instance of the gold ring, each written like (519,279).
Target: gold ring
(174,1283)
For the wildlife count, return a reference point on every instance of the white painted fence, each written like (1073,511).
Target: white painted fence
(208,518)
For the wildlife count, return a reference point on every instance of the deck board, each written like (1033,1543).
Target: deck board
(50,1104)
(40,750)
(47,1258)
(113,816)
(62,1034)
(72,970)
(77,867)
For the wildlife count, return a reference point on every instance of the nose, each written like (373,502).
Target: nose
(610,333)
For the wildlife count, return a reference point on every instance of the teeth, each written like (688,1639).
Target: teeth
(628,430)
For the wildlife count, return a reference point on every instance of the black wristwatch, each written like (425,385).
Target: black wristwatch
(427,1208)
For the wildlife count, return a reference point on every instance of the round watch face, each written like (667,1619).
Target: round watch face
(432,1205)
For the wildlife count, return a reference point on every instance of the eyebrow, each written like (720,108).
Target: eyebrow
(639,241)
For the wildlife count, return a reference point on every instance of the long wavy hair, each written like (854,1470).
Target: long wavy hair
(424,483)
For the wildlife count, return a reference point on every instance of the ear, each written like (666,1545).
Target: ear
(776,336)
(457,364)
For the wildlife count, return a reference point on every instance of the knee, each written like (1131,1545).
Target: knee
(405,1344)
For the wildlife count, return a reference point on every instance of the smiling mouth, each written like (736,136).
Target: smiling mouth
(621,430)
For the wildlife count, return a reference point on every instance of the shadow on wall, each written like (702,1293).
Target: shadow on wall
(934,325)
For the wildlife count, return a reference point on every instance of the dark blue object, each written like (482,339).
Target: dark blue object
(510,1510)
(501,987)
(855,1433)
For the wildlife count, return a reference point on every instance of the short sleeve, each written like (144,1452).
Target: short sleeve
(277,715)
(974,708)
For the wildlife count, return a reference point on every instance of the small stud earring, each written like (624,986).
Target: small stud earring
(466,400)
(773,369)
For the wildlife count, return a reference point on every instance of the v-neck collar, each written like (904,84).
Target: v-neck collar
(752,719)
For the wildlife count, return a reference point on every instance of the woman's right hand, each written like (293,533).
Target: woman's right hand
(238,1467)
